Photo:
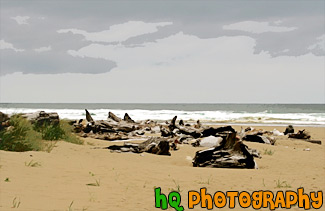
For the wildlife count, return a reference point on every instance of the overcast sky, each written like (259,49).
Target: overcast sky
(162,51)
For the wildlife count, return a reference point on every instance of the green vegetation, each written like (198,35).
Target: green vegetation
(282,184)
(7,179)
(32,164)
(70,206)
(268,152)
(22,136)
(207,182)
(15,203)
(96,183)
(178,187)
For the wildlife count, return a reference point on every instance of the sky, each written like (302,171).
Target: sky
(155,51)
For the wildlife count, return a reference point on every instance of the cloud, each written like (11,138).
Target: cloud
(119,32)
(257,27)
(43,49)
(245,78)
(51,62)
(6,45)
(188,68)
(21,19)
(320,45)
(178,49)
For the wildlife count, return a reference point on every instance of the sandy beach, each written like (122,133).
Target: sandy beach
(124,181)
(162,105)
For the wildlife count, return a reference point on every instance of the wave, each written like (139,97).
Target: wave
(265,117)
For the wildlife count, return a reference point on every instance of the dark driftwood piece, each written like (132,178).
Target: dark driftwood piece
(165,132)
(300,135)
(289,129)
(109,129)
(198,124)
(41,118)
(128,119)
(156,145)
(195,133)
(314,141)
(213,131)
(258,139)
(106,126)
(172,124)
(181,122)
(88,117)
(114,117)
(231,153)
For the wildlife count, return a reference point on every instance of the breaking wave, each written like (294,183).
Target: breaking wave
(239,117)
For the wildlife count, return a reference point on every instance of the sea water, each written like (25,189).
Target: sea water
(252,114)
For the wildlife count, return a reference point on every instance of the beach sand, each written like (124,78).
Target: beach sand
(126,181)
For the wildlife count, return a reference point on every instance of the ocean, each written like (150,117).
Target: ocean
(245,114)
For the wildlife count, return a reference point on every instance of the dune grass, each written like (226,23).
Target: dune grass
(22,136)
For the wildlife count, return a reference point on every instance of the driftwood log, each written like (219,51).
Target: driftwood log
(231,153)
(259,139)
(289,129)
(302,134)
(88,117)
(128,119)
(195,131)
(113,117)
(42,118)
(154,145)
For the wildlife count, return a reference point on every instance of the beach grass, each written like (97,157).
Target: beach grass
(32,164)
(282,184)
(70,206)
(22,135)
(96,183)
(268,152)
(15,203)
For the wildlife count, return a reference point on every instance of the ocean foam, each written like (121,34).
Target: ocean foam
(204,116)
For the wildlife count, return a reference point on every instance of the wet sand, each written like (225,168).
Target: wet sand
(127,181)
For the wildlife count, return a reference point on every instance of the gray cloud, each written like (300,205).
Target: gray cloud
(50,62)
(204,19)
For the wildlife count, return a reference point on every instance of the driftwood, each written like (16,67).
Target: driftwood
(114,117)
(4,121)
(210,141)
(128,119)
(88,117)
(42,118)
(107,126)
(231,153)
(165,132)
(3,117)
(259,139)
(213,131)
(181,122)
(195,133)
(300,135)
(109,129)
(172,124)
(289,129)
(156,145)
(314,141)
(198,124)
